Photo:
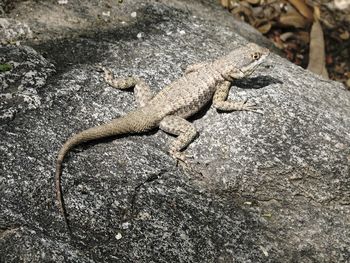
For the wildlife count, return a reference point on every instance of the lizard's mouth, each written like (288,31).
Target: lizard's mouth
(248,72)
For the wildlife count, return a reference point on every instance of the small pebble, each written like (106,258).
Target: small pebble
(108,13)
(118,236)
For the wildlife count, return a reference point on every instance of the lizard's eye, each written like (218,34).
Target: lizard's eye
(256,55)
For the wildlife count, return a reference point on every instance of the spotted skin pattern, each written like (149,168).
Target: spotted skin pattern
(169,108)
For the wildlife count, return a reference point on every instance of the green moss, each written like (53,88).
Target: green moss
(5,67)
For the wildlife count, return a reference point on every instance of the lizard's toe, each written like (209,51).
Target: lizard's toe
(250,106)
(180,156)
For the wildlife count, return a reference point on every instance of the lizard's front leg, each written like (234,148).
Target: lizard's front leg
(184,129)
(142,91)
(220,102)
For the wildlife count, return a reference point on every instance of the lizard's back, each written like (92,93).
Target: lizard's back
(188,94)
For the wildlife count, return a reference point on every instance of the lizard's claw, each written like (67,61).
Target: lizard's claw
(99,67)
(108,75)
(182,160)
(249,106)
(103,69)
(180,156)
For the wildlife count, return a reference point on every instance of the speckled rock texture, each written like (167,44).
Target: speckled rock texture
(12,30)
(271,187)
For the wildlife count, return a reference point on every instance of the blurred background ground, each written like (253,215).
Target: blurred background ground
(312,34)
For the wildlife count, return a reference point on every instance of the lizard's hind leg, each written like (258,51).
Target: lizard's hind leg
(142,91)
(184,129)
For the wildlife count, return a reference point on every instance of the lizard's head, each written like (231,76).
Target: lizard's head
(242,61)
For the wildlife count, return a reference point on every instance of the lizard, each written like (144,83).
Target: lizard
(171,106)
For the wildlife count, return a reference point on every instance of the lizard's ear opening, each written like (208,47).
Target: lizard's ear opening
(256,55)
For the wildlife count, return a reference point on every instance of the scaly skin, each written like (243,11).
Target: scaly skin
(169,109)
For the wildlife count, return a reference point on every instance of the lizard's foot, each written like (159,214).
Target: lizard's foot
(185,161)
(108,75)
(180,156)
(101,68)
(248,106)
(121,83)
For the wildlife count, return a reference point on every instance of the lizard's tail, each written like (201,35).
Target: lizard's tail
(134,122)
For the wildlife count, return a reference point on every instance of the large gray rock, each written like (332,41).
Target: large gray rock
(261,188)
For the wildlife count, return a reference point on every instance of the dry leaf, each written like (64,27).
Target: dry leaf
(342,4)
(339,68)
(317,55)
(293,19)
(302,8)
(247,10)
(244,3)
(229,4)
(253,2)
(329,59)
(292,46)
(289,54)
(317,12)
(242,10)
(303,36)
(225,3)
(264,28)
(270,12)
(278,42)
(345,35)
(258,12)
(327,17)
(285,36)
